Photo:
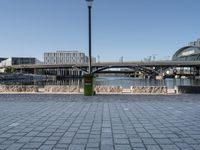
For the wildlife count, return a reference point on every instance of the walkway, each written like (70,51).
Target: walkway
(104,122)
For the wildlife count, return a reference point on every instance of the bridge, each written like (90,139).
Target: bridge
(116,64)
(150,68)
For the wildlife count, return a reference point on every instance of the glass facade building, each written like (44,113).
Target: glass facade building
(18,61)
(23,60)
(187,53)
(2,59)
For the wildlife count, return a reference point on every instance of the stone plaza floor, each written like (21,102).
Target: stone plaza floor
(102,122)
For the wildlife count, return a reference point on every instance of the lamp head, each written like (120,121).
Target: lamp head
(89,2)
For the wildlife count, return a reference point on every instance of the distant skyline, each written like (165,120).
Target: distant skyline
(132,29)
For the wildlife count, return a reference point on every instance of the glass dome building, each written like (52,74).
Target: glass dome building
(187,53)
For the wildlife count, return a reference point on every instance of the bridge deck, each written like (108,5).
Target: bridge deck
(116,64)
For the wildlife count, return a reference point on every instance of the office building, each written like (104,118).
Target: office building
(17,61)
(2,59)
(65,57)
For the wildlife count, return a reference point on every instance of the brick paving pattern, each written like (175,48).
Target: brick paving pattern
(103,122)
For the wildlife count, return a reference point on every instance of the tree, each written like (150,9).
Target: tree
(10,70)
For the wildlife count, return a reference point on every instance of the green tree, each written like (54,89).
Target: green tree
(10,70)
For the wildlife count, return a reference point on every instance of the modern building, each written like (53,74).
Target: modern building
(187,53)
(195,43)
(65,57)
(2,59)
(17,61)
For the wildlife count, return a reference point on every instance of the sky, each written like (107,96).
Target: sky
(132,29)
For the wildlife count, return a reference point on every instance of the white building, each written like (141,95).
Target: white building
(65,57)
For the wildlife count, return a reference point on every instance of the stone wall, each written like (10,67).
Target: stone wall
(18,88)
(77,89)
(149,89)
(108,89)
(65,89)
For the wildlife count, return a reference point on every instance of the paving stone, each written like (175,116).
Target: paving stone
(69,134)
(99,122)
(25,139)
(169,147)
(106,135)
(153,147)
(79,141)
(95,136)
(46,147)
(93,144)
(135,140)
(32,145)
(61,145)
(3,147)
(197,146)
(164,141)
(44,134)
(183,145)
(76,147)
(38,139)
(106,141)
(121,141)
(83,131)
(53,138)
(107,147)
(5,135)
(120,136)
(122,147)
(91,148)
(48,142)
(106,130)
(137,145)
(149,141)
(81,136)
(65,140)
(157,136)
(15,146)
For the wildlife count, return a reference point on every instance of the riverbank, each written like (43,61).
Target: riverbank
(52,89)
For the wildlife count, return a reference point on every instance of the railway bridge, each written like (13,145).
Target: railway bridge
(151,68)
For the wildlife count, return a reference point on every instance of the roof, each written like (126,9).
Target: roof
(186,52)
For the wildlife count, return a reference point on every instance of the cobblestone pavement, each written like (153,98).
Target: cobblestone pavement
(105,122)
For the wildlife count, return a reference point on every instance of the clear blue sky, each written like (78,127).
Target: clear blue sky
(133,29)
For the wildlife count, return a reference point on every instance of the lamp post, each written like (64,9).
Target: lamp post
(89,2)
(88,79)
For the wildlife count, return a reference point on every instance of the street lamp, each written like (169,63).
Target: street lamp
(88,79)
(89,2)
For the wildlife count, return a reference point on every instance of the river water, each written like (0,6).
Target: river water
(125,82)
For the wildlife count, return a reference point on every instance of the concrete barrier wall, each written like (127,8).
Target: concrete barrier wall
(18,88)
(188,89)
